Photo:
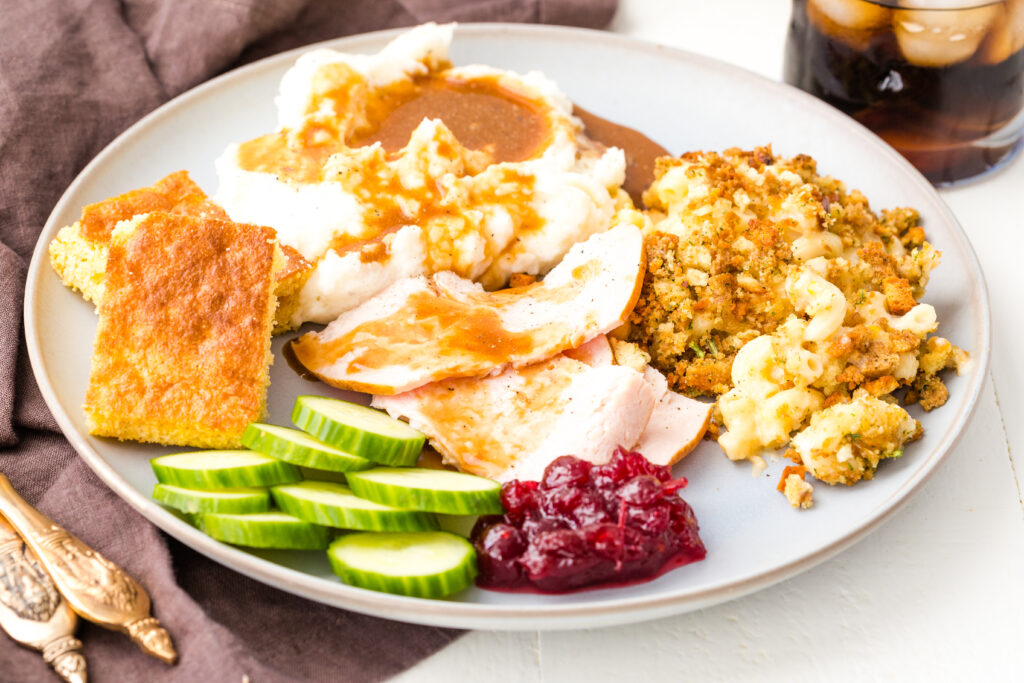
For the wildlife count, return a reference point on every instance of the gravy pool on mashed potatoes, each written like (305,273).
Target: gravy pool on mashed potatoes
(364,178)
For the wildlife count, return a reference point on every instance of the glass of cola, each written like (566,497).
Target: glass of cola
(942,81)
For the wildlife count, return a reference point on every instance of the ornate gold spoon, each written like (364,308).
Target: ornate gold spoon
(96,588)
(32,611)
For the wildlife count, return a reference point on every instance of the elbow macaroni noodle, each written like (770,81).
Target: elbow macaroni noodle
(820,299)
(921,320)
(772,393)
(774,376)
(817,244)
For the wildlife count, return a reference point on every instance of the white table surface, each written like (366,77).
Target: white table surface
(936,594)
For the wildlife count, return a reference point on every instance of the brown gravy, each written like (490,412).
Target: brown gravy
(295,364)
(273,154)
(431,459)
(641,151)
(481,114)
(475,332)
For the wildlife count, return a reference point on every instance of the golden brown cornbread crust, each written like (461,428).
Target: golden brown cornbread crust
(183,345)
(288,286)
(175,193)
(79,252)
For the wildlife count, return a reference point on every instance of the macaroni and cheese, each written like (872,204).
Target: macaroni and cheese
(786,296)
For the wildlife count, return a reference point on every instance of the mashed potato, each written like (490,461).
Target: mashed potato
(369,211)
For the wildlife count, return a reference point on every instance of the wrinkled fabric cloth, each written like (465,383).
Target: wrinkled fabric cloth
(74,74)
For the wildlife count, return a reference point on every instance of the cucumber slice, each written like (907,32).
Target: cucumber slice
(322,475)
(264,530)
(428,564)
(234,501)
(299,448)
(335,505)
(222,470)
(358,430)
(420,488)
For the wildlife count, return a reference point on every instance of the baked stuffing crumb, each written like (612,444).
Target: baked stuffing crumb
(729,228)
(798,492)
(629,354)
(782,293)
(843,444)
(928,389)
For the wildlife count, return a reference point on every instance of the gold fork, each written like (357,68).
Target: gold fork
(94,587)
(33,612)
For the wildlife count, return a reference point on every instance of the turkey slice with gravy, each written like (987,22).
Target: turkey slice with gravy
(512,425)
(423,330)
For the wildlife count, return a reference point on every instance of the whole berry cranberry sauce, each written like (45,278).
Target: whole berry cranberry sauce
(585,524)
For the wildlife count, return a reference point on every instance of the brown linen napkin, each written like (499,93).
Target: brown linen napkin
(74,74)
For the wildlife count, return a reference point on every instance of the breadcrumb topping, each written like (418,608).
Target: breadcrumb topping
(798,492)
(781,292)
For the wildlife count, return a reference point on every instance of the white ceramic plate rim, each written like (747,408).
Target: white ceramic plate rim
(475,615)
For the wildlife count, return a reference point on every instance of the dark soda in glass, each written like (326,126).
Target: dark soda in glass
(942,81)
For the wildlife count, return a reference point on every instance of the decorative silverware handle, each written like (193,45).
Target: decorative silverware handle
(33,612)
(94,587)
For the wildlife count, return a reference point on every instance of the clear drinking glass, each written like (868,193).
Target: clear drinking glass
(942,81)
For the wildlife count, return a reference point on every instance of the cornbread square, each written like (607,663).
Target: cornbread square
(79,251)
(182,350)
(290,281)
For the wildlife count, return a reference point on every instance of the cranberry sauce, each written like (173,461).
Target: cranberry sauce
(586,524)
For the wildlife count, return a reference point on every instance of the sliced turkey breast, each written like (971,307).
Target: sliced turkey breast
(512,425)
(423,330)
(676,426)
